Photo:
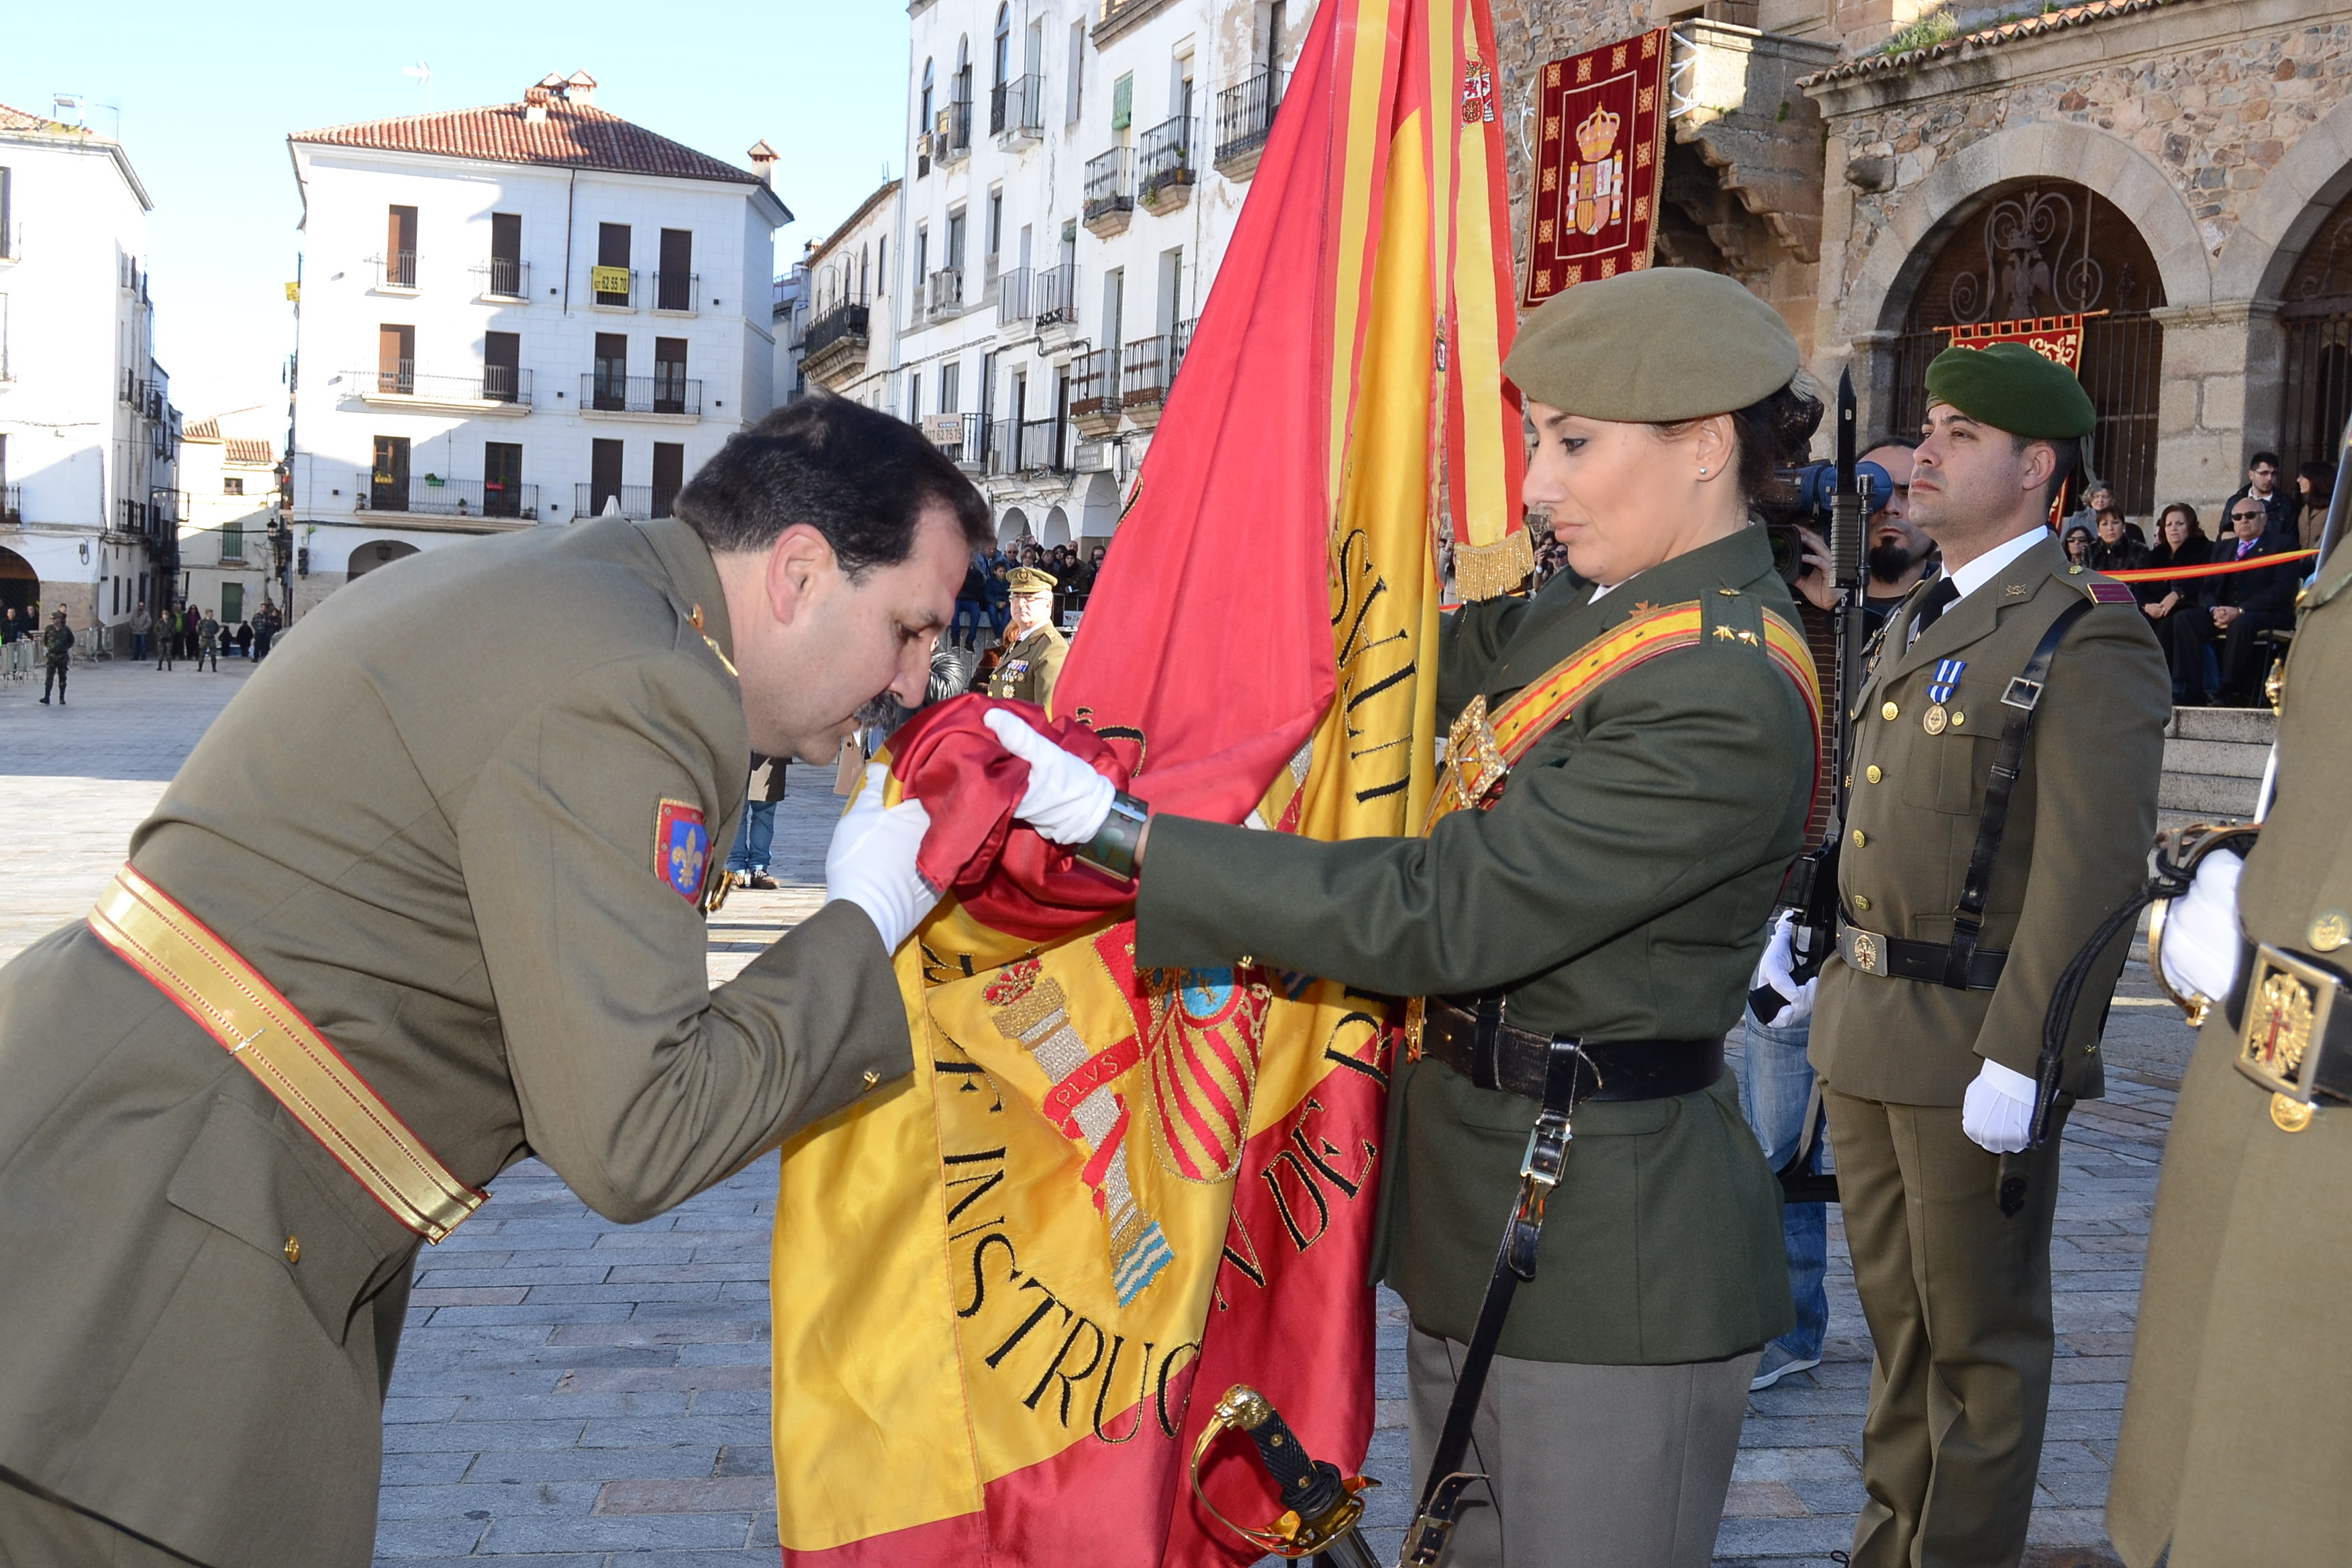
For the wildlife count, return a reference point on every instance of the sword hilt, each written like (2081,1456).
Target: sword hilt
(1321,1503)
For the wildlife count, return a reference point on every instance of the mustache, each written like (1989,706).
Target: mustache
(882,709)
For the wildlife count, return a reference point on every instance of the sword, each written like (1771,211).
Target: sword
(1321,1505)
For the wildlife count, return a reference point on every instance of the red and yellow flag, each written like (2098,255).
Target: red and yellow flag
(1000,1286)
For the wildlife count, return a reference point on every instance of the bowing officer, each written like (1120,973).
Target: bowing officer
(409,914)
(2235,1448)
(2009,741)
(1029,660)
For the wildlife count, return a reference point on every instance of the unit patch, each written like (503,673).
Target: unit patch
(681,847)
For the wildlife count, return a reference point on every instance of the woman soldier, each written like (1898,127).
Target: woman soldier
(1585,943)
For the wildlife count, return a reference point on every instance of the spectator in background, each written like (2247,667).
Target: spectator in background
(2079,540)
(747,863)
(141,623)
(167,636)
(208,636)
(2097,496)
(265,625)
(244,639)
(2263,485)
(12,632)
(972,604)
(2115,549)
(2243,603)
(2173,609)
(2315,484)
(1000,595)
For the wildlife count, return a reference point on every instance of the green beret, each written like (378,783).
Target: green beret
(2011,389)
(1029,579)
(1659,344)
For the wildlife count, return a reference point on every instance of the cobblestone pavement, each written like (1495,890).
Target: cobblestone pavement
(575,1393)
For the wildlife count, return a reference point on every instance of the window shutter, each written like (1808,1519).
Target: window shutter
(1122,102)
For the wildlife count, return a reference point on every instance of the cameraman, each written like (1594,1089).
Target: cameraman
(1777,1084)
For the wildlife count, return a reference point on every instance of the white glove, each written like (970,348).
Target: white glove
(871,861)
(1997,1114)
(1066,801)
(2200,947)
(1774,970)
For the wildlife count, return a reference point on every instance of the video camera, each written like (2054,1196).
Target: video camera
(1799,498)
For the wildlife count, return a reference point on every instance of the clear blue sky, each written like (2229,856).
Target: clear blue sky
(208,94)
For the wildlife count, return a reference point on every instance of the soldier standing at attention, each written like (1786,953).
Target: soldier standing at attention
(56,653)
(2010,737)
(1031,658)
(2229,1454)
(411,911)
(1581,945)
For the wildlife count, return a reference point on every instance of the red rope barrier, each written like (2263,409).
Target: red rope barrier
(2218,569)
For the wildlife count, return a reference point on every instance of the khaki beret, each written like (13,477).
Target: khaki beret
(2011,389)
(1659,344)
(1029,579)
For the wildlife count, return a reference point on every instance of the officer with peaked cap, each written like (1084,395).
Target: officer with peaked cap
(1579,946)
(1029,660)
(2009,738)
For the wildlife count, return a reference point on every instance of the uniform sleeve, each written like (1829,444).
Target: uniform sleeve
(1469,640)
(1678,785)
(2097,757)
(639,1083)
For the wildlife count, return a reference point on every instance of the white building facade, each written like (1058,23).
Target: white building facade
(514,316)
(1075,168)
(88,440)
(228,473)
(846,324)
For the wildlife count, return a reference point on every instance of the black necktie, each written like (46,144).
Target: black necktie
(1944,591)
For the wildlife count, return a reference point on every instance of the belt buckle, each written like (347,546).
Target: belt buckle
(1416,1023)
(1862,950)
(2022,693)
(1548,1142)
(2290,1003)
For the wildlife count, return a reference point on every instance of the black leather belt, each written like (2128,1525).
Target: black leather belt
(1872,954)
(1493,1055)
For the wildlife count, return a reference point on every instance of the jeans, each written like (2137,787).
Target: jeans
(968,614)
(751,839)
(138,646)
(1774,1090)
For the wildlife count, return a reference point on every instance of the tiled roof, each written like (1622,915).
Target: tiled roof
(1988,39)
(201,430)
(573,135)
(241,450)
(17,119)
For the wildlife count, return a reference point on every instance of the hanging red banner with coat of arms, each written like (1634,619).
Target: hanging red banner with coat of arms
(1597,163)
(2058,339)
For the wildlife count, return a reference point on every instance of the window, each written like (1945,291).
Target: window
(952,387)
(7,223)
(501,367)
(1077,69)
(922,258)
(1122,102)
(1171,307)
(669,475)
(400,248)
(924,122)
(955,239)
(502,479)
(914,400)
(1000,61)
(603,474)
(995,226)
(395,358)
(674,284)
(232,599)
(232,542)
(506,254)
(234,484)
(388,484)
(1277,18)
(611,390)
(611,280)
(669,375)
(865,255)
(882,264)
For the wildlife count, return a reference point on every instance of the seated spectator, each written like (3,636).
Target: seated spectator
(2115,549)
(2315,483)
(2243,603)
(2173,609)
(2078,541)
(2097,499)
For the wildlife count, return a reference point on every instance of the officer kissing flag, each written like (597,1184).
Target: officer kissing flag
(1007,1291)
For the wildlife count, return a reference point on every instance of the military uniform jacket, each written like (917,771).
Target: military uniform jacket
(2079,823)
(2235,1443)
(1619,890)
(449,854)
(1029,669)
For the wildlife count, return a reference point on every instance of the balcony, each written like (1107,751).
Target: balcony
(1054,295)
(1245,117)
(395,272)
(1110,193)
(833,348)
(1040,449)
(943,293)
(429,495)
(1146,370)
(664,393)
(1165,169)
(613,288)
(12,506)
(487,389)
(967,446)
(678,293)
(951,137)
(502,278)
(640,503)
(1016,111)
(1094,392)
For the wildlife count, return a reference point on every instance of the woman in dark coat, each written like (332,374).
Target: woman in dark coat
(2172,607)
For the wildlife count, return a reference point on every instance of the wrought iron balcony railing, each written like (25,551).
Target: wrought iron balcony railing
(12,505)
(504,278)
(1245,113)
(433,496)
(1017,108)
(951,137)
(657,393)
(680,291)
(944,295)
(639,502)
(1093,384)
(1167,157)
(484,384)
(1109,185)
(1055,296)
(395,269)
(839,322)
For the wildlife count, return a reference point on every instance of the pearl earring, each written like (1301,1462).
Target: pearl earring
(1701,473)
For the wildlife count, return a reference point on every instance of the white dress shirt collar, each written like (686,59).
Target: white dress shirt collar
(1968,579)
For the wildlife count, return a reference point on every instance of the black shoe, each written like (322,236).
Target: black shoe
(44,702)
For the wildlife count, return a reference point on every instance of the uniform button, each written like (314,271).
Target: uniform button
(872,1078)
(1861,904)
(1889,712)
(1958,719)
(1247,962)
(1858,840)
(293,1249)
(1873,773)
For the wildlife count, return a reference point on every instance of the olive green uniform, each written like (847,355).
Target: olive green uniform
(1618,891)
(470,900)
(1029,667)
(1957,1294)
(2236,1446)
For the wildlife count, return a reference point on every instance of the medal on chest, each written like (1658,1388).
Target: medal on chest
(1939,691)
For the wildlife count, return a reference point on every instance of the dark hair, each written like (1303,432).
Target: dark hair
(2196,528)
(1771,433)
(855,475)
(2068,451)
(2322,481)
(2259,459)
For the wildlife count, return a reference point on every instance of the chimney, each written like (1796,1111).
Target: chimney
(539,95)
(580,87)
(763,163)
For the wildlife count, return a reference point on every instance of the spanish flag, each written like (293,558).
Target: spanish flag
(1007,1292)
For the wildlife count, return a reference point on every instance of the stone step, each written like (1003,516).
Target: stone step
(2207,795)
(2226,759)
(2244,726)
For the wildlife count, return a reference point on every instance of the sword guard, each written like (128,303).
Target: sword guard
(1336,1501)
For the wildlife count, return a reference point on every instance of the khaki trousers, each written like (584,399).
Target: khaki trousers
(1957,1298)
(39,1532)
(1587,1466)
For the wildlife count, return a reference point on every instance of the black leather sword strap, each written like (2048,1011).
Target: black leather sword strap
(2022,698)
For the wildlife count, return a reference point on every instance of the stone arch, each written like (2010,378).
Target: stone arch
(377,552)
(2293,200)
(1056,530)
(1012,525)
(20,585)
(1958,186)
